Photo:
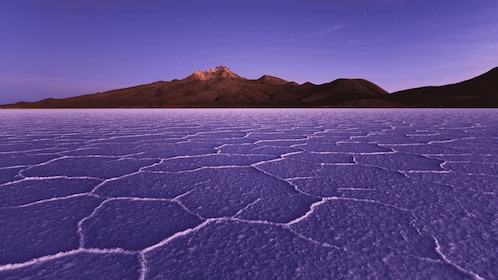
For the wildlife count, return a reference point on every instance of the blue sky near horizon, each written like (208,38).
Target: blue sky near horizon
(57,48)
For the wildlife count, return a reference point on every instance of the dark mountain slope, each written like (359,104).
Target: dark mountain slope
(481,91)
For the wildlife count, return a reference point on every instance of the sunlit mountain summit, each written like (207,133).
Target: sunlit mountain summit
(219,72)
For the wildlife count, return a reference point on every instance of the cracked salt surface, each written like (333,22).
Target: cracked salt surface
(248,194)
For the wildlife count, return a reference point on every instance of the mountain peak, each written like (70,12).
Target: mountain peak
(214,73)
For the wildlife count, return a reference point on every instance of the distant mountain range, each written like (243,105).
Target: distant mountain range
(220,88)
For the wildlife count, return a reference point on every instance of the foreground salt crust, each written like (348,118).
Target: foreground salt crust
(146,194)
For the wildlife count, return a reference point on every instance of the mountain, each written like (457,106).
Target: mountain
(220,87)
(481,91)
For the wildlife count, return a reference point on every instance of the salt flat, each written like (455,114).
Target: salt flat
(249,194)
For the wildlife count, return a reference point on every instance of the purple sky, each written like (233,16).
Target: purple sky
(60,48)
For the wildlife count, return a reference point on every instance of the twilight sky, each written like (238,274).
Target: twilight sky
(61,48)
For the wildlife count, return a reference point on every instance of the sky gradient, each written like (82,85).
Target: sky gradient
(59,48)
